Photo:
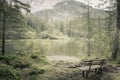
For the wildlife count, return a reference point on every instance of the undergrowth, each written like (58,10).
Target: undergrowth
(12,66)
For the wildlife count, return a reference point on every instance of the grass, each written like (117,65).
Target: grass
(7,72)
(13,66)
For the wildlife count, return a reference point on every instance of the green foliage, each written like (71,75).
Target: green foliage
(21,62)
(29,46)
(36,71)
(17,61)
(15,25)
(33,56)
(7,58)
(43,60)
(37,58)
(118,59)
(9,73)
(13,65)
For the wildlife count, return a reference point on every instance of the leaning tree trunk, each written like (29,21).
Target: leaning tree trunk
(116,49)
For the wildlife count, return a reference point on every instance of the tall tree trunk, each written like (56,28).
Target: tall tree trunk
(115,45)
(3,29)
(10,3)
(118,14)
(116,49)
(89,31)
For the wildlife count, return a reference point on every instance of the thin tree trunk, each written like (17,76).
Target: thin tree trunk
(116,49)
(89,33)
(3,29)
(115,45)
(118,14)
(11,3)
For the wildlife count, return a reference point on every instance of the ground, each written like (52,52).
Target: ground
(62,70)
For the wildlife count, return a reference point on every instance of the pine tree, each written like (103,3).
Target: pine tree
(11,13)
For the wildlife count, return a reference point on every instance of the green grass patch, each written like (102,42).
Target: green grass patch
(9,73)
(12,66)
(21,62)
(17,61)
(36,71)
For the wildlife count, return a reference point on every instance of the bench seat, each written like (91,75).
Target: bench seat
(85,68)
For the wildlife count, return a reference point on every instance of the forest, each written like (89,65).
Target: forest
(59,39)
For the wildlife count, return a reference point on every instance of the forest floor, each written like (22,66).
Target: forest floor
(62,70)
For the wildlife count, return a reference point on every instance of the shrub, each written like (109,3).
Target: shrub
(33,56)
(17,61)
(9,73)
(43,60)
(7,58)
(21,62)
(118,60)
(36,71)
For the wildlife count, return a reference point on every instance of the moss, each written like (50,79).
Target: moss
(36,71)
(7,58)
(13,64)
(17,61)
(21,62)
(9,73)
(43,60)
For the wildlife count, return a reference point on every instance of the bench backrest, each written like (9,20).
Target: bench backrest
(94,62)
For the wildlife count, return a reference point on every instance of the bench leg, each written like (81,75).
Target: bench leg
(96,70)
(87,73)
(83,74)
(100,71)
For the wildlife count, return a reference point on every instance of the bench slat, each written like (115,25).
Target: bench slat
(87,67)
(84,68)
(95,66)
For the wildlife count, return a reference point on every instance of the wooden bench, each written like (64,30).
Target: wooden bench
(92,65)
